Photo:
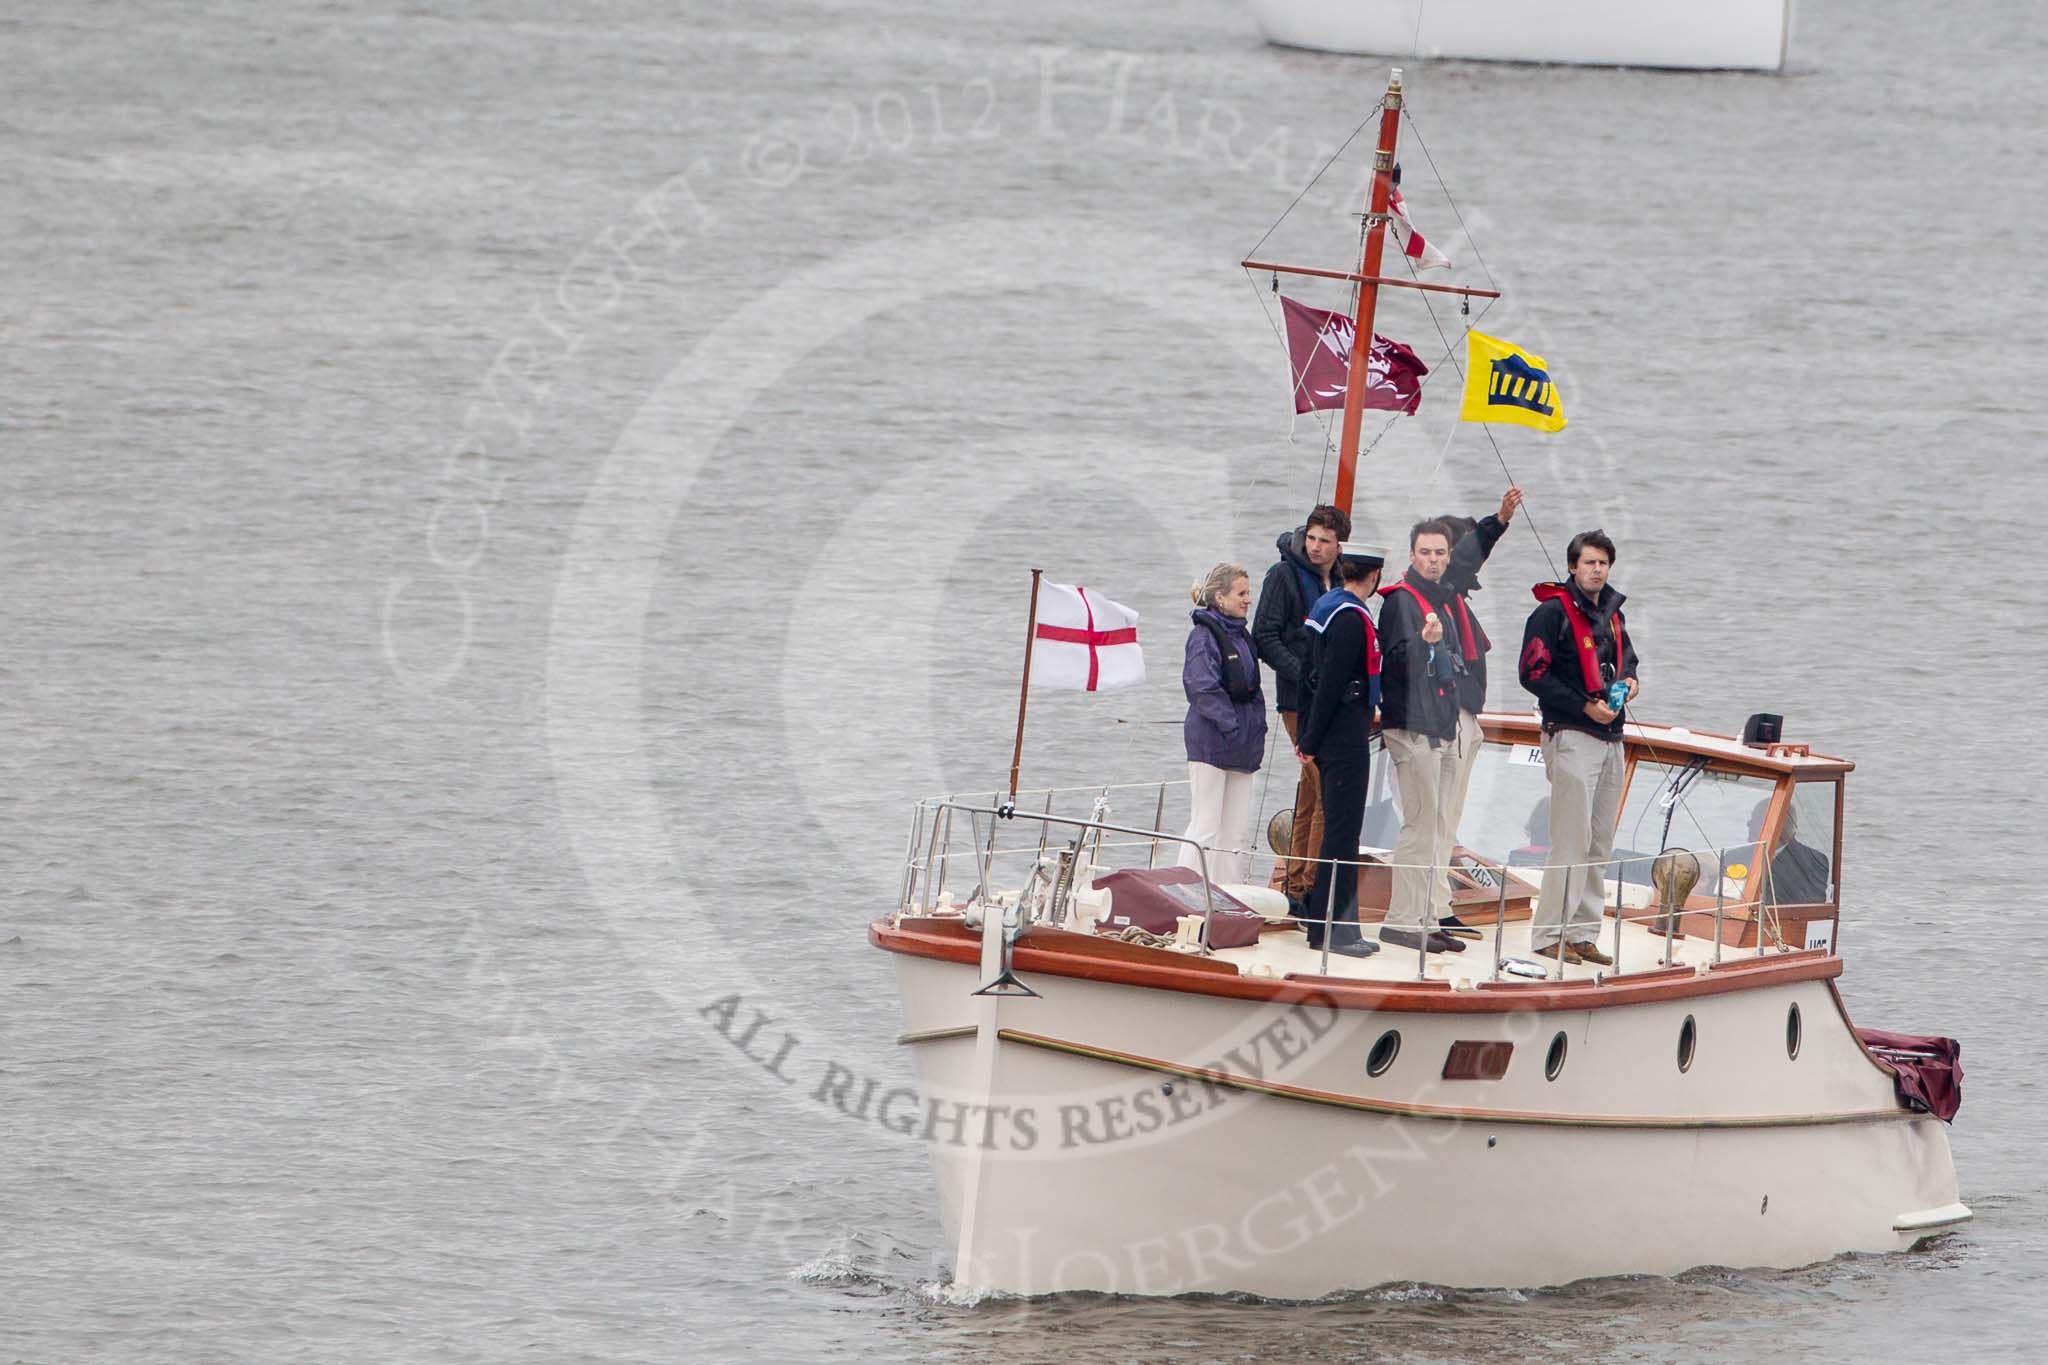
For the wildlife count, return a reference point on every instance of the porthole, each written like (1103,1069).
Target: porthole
(1383,1053)
(1792,1031)
(1688,1038)
(1554,1063)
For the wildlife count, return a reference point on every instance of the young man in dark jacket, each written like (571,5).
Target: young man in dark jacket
(1472,542)
(1305,571)
(1575,647)
(1336,732)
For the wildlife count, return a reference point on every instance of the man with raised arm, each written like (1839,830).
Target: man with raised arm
(1472,542)
(1577,657)
(1280,634)
(1424,732)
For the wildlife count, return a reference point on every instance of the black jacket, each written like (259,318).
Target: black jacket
(1279,632)
(1338,713)
(1467,557)
(1411,696)
(1550,661)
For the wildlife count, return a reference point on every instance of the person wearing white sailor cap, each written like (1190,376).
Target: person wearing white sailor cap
(1336,731)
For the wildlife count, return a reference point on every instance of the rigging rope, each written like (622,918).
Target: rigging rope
(1450,351)
(1451,348)
(1374,113)
(1450,354)
(1329,436)
(1409,118)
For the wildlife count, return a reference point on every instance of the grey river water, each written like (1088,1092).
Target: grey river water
(503,506)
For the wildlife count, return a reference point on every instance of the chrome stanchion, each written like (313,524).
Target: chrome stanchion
(928,883)
(910,857)
(1208,897)
(1424,927)
(1500,921)
(1619,906)
(1564,918)
(945,855)
(1158,814)
(1720,887)
(1329,917)
(982,894)
(1763,889)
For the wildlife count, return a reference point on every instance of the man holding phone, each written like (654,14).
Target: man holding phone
(1580,663)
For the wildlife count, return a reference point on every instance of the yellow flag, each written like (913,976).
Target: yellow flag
(1504,383)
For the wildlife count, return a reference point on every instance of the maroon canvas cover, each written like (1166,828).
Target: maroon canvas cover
(1927,1072)
(1154,898)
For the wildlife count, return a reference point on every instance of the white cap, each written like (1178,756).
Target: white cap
(1374,556)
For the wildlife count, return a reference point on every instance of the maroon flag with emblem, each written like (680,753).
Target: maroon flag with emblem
(1319,353)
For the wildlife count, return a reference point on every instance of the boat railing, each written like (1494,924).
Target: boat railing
(949,833)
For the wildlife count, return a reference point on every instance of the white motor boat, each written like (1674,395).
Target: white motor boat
(1269,1119)
(1752,35)
(1136,1080)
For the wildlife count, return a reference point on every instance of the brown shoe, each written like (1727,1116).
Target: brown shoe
(1589,952)
(1571,951)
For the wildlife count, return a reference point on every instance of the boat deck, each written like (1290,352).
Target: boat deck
(1284,951)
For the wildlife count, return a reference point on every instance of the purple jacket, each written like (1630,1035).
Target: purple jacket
(1221,732)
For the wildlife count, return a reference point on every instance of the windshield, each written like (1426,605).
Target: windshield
(1716,814)
(1507,807)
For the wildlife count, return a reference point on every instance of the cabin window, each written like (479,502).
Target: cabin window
(1554,1062)
(1688,1039)
(1793,1031)
(1507,807)
(1682,805)
(1383,1053)
(1800,869)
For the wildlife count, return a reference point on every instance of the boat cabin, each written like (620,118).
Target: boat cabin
(1761,820)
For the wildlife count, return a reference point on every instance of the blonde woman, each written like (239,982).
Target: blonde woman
(1225,728)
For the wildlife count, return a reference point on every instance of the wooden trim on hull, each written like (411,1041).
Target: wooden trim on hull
(1058,952)
(1449,1113)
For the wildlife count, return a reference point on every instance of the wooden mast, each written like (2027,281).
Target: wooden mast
(1368,289)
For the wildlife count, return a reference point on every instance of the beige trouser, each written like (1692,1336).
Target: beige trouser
(1585,801)
(1219,803)
(1431,783)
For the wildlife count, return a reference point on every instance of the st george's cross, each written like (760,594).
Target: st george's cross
(1085,641)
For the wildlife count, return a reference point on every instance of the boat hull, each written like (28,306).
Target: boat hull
(1118,1139)
(1736,35)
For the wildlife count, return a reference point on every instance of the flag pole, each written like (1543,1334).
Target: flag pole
(1024,688)
(1368,289)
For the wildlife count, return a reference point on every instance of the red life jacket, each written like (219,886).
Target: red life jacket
(1582,632)
(1468,639)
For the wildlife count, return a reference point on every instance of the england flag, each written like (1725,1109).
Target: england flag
(1084,641)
